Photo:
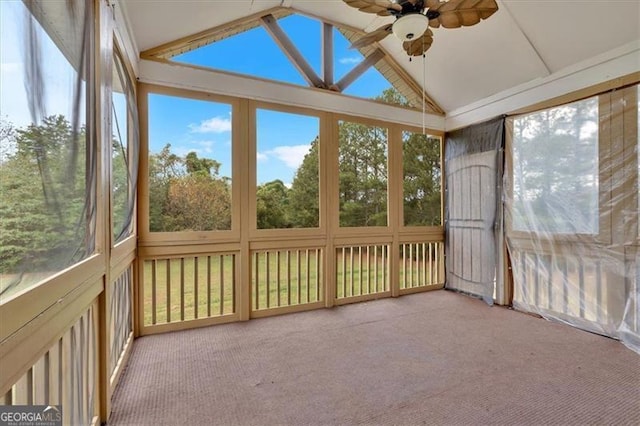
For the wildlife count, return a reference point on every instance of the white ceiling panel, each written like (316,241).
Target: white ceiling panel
(471,63)
(570,31)
(156,22)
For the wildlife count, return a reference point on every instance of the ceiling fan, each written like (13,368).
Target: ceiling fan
(414,17)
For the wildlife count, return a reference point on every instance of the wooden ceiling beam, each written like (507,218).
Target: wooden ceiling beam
(270,24)
(327,53)
(359,69)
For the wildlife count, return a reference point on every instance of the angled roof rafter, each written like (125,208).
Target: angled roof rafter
(270,24)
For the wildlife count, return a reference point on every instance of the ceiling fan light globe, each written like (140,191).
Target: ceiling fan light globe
(410,27)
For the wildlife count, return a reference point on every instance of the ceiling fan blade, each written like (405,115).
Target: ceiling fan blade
(461,13)
(420,45)
(378,7)
(372,37)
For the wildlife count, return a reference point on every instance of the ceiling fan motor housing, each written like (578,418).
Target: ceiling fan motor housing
(411,26)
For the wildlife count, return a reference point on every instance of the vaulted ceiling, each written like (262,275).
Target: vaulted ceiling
(524,41)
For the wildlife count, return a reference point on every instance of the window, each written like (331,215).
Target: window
(555,170)
(124,155)
(287,194)
(422,179)
(250,48)
(47,194)
(363,175)
(189,164)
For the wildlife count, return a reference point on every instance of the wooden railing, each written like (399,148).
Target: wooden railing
(571,285)
(565,278)
(421,265)
(362,271)
(282,278)
(121,324)
(188,288)
(65,375)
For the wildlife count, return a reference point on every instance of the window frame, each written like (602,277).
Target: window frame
(322,117)
(237,178)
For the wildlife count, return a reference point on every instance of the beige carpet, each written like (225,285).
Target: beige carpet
(431,358)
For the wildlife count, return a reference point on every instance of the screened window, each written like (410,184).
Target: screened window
(422,179)
(47,168)
(287,190)
(555,170)
(363,175)
(189,164)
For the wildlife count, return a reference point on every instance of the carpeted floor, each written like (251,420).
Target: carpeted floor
(431,358)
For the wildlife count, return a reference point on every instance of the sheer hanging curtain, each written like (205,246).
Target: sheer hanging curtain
(572,213)
(125,150)
(47,160)
(473,225)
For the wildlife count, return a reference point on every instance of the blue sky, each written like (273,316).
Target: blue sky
(282,139)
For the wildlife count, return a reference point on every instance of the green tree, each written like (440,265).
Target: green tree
(362,175)
(187,193)
(304,211)
(43,187)
(421,180)
(272,207)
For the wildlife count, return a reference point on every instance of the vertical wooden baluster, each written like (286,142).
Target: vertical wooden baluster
(233,283)
(599,291)
(351,263)
(344,272)
(368,270)
(308,283)
(221,259)
(55,373)
(550,283)
(375,269)
(384,268)
(278,275)
(360,271)
(423,269)
(523,275)
(257,280)
(195,287)
(565,287)
(412,264)
(182,288)
(582,299)
(168,285)
(153,291)
(288,277)
(536,280)
(431,280)
(299,275)
(209,286)
(318,269)
(268,278)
